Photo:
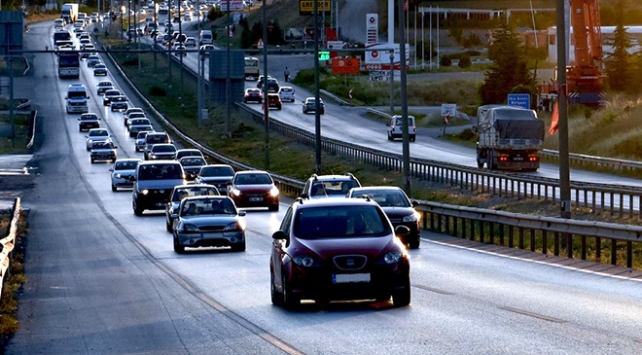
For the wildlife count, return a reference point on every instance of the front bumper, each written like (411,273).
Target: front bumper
(211,239)
(255,200)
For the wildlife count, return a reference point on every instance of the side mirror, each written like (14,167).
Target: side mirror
(242,213)
(414,203)
(277,183)
(280,235)
(402,231)
(304,196)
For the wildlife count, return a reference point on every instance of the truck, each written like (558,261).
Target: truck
(68,64)
(510,138)
(69,12)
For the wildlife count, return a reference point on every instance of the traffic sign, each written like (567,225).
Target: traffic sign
(379,75)
(324,55)
(449,110)
(520,100)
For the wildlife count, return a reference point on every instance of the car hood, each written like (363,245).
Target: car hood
(398,211)
(160,184)
(210,220)
(373,247)
(124,172)
(215,179)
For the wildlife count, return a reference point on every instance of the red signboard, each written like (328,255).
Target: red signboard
(346,65)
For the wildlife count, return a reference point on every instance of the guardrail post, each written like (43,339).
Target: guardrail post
(481,231)
(501,234)
(439,217)
(583,251)
(621,209)
(556,243)
(472,229)
(455,229)
(544,243)
(491,232)
(511,243)
(532,240)
(629,254)
(521,238)
(598,249)
(613,252)
(569,245)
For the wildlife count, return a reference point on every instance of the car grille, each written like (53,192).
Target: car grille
(350,262)
(211,228)
(395,220)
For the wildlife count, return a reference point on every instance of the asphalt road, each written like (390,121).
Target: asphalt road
(101,280)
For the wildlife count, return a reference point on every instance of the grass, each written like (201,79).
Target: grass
(17,144)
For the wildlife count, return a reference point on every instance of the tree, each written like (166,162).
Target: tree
(508,70)
(618,65)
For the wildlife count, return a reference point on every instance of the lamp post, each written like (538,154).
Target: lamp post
(180,34)
(129,20)
(157,33)
(266,103)
(122,25)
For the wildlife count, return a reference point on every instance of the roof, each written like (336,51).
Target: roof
(329,202)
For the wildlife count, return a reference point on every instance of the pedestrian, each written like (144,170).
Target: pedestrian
(286,74)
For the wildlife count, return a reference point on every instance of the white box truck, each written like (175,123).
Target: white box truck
(69,12)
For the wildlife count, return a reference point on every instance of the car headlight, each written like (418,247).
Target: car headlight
(306,261)
(411,218)
(236,192)
(392,257)
(144,192)
(189,228)
(233,227)
(274,192)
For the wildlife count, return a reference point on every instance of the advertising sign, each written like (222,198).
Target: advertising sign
(235,5)
(379,58)
(372,29)
(519,100)
(346,65)
(306,7)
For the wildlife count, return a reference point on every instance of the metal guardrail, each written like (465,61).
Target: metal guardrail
(8,244)
(33,122)
(585,160)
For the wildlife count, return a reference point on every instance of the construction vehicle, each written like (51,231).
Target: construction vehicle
(585,76)
(510,138)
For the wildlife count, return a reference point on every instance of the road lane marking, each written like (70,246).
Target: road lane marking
(534,315)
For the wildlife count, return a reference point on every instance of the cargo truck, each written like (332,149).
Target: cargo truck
(69,12)
(509,138)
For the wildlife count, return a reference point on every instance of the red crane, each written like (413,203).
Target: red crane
(585,77)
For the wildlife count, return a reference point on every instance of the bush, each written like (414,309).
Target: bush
(445,61)
(464,62)
(157,91)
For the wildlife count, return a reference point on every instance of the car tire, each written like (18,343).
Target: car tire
(412,138)
(278,108)
(273,207)
(290,300)
(138,211)
(168,225)
(401,298)
(414,244)
(114,188)
(92,160)
(178,248)
(276,296)
(239,247)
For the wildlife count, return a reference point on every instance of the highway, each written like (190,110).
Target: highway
(101,280)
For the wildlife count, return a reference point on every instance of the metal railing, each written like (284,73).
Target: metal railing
(8,244)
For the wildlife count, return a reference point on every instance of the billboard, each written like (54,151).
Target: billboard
(372,29)
(235,5)
(346,65)
(378,56)
(306,7)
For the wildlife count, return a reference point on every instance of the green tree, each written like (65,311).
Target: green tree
(618,64)
(508,70)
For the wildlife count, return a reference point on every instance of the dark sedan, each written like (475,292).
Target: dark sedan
(254,188)
(397,206)
(191,166)
(179,193)
(218,175)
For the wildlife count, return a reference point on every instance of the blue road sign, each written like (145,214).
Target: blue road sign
(520,100)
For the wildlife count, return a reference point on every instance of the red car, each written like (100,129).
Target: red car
(254,188)
(338,249)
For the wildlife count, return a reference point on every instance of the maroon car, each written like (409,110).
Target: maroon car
(338,249)
(254,188)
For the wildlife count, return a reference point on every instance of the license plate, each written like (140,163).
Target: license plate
(518,159)
(256,199)
(350,278)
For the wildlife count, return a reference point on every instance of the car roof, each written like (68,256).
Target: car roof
(329,202)
(332,177)
(242,172)
(375,188)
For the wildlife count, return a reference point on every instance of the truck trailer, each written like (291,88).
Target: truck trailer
(510,138)
(69,12)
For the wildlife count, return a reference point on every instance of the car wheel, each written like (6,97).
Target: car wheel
(178,248)
(239,247)
(389,137)
(415,243)
(412,138)
(401,298)
(93,160)
(278,108)
(168,225)
(290,300)
(138,211)
(276,296)
(114,188)
(273,207)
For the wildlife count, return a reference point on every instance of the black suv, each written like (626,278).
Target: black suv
(323,186)
(153,184)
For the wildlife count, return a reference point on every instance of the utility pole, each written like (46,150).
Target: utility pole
(266,106)
(404,100)
(228,81)
(565,182)
(317,116)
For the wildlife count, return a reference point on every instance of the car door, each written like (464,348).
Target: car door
(279,250)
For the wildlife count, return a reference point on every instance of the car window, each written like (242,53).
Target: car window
(333,187)
(126,165)
(286,224)
(385,198)
(253,179)
(183,192)
(217,171)
(340,222)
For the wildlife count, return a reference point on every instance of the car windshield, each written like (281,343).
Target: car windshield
(126,165)
(159,172)
(253,179)
(385,198)
(217,171)
(337,222)
(164,148)
(332,188)
(87,117)
(208,206)
(192,161)
(98,133)
(183,192)
(154,139)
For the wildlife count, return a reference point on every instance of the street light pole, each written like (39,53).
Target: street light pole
(228,80)
(317,116)
(266,106)
(404,100)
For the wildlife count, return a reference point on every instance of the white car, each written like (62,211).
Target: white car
(122,169)
(97,135)
(395,128)
(190,42)
(286,93)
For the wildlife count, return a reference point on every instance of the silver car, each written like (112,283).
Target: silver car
(140,140)
(122,169)
(97,135)
(208,221)
(179,193)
